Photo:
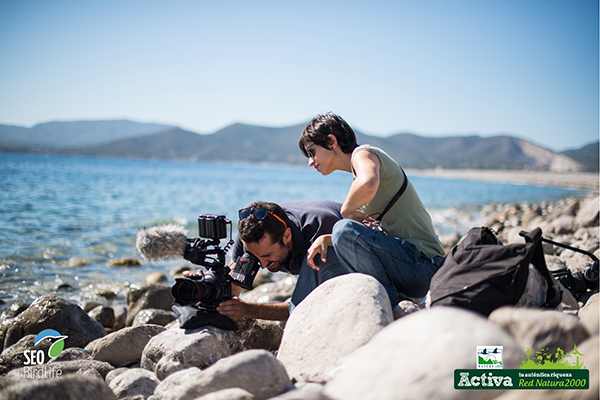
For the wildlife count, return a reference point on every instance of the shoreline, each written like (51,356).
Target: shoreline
(573,180)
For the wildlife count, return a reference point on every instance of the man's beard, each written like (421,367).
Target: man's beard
(287,261)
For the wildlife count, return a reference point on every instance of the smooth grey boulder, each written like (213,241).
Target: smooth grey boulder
(153,316)
(588,214)
(120,317)
(148,296)
(589,315)
(228,394)
(103,314)
(415,358)
(71,354)
(256,371)
(69,387)
(14,356)
(133,382)
(52,312)
(124,347)
(538,329)
(303,391)
(176,349)
(335,319)
(259,334)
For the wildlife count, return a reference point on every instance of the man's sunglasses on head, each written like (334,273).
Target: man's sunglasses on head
(259,213)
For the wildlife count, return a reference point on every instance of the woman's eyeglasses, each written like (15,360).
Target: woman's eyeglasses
(309,152)
(259,213)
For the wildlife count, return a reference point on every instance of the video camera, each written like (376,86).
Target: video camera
(208,290)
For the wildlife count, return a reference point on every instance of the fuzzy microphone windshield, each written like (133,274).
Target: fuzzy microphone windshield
(166,241)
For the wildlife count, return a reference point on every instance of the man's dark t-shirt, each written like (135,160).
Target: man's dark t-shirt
(310,219)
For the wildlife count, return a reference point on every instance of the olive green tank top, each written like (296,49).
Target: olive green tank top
(407,219)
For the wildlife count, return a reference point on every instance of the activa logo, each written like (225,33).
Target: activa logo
(489,380)
(57,345)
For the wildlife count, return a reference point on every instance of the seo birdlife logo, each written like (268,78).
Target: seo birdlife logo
(57,345)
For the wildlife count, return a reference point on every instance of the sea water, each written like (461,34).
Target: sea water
(64,219)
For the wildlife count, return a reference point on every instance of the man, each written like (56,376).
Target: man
(279,236)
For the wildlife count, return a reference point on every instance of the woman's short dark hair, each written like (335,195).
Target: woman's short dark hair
(318,130)
(252,230)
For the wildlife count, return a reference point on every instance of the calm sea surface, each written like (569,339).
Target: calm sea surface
(63,219)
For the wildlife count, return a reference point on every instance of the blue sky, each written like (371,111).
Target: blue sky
(527,68)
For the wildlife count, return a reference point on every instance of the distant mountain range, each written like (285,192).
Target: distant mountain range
(248,143)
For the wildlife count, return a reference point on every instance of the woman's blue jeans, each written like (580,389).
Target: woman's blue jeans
(396,264)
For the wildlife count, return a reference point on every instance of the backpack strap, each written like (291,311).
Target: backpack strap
(553,295)
(395,198)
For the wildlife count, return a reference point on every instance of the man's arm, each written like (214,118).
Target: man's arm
(236,309)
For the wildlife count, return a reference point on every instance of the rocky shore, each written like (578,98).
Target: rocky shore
(344,341)
(574,180)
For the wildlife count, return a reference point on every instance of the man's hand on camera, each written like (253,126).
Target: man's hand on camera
(234,308)
(189,274)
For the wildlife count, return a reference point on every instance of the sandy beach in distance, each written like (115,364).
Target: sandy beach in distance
(577,180)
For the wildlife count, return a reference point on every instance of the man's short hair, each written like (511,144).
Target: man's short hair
(252,230)
(319,129)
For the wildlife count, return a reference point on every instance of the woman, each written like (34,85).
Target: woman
(404,259)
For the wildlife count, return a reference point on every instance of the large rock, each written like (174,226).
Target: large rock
(304,391)
(590,315)
(588,213)
(70,387)
(14,356)
(259,334)
(52,312)
(7,317)
(148,296)
(120,317)
(153,316)
(71,354)
(415,358)
(6,381)
(176,349)
(124,347)
(228,394)
(336,318)
(103,314)
(133,382)
(540,329)
(256,371)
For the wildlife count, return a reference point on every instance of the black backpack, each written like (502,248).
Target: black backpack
(481,274)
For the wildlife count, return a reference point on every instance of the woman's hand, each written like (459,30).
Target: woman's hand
(319,246)
(356,215)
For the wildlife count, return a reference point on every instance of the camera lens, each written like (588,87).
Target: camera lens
(205,290)
(187,291)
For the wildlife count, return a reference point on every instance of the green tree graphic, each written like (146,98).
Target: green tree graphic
(544,360)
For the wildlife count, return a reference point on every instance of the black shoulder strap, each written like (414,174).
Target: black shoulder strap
(395,198)
(554,295)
